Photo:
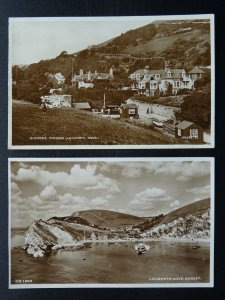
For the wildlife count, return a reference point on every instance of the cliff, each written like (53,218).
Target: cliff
(189,222)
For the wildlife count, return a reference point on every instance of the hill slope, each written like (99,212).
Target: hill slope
(186,43)
(76,127)
(189,222)
(194,209)
(108,218)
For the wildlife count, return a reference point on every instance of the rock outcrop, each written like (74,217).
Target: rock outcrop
(188,227)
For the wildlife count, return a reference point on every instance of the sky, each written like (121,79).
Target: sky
(143,188)
(33,40)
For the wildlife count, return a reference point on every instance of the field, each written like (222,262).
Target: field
(75,127)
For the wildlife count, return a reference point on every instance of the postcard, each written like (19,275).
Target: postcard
(111,82)
(121,222)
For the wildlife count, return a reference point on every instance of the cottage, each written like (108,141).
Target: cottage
(129,111)
(151,82)
(57,101)
(196,73)
(56,79)
(111,109)
(189,131)
(83,80)
(83,106)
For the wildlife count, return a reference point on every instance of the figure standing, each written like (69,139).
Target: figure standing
(44,108)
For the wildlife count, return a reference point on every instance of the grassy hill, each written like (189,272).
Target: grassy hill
(184,42)
(194,209)
(107,218)
(76,127)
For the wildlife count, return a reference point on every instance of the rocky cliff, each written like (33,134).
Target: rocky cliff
(189,227)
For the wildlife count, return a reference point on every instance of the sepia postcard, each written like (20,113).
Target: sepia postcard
(121,222)
(111,82)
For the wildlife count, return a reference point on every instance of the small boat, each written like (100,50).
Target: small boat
(196,247)
(141,248)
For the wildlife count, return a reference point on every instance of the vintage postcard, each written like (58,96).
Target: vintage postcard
(105,222)
(111,82)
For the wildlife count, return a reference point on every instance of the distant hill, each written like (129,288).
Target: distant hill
(114,219)
(184,43)
(194,209)
(190,222)
(108,218)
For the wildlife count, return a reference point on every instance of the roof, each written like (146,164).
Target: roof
(82,105)
(92,76)
(139,71)
(129,105)
(175,74)
(147,71)
(156,71)
(184,124)
(196,70)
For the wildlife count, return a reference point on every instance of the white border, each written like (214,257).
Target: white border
(147,285)
(123,18)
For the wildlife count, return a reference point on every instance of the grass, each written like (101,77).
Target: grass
(106,218)
(75,127)
(161,44)
(194,209)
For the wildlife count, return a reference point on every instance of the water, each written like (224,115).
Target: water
(114,263)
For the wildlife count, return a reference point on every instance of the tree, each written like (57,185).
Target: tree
(197,108)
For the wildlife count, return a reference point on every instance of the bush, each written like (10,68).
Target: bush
(197,108)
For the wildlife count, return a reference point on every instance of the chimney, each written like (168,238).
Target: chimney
(146,69)
(111,71)
(81,72)
(89,76)
(167,65)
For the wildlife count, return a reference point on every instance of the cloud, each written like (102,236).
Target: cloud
(49,193)
(14,188)
(69,199)
(201,190)
(146,199)
(175,203)
(132,171)
(184,171)
(77,177)
(99,201)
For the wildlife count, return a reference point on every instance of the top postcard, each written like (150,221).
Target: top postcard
(111,82)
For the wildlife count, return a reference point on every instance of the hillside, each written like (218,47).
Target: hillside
(184,43)
(106,218)
(31,127)
(189,222)
(194,209)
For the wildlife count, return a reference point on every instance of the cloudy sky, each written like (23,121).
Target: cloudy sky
(34,40)
(143,188)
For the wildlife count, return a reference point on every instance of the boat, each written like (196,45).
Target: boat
(196,247)
(141,248)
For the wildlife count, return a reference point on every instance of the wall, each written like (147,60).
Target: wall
(161,110)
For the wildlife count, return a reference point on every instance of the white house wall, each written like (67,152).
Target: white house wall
(161,110)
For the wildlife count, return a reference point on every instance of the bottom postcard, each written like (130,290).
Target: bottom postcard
(121,222)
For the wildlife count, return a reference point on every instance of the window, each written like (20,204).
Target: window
(194,133)
(157,76)
(131,111)
(179,132)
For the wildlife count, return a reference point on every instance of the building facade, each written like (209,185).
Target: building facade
(154,82)
(85,80)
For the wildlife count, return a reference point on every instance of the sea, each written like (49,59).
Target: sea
(112,263)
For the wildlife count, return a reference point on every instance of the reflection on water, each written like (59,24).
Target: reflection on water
(113,263)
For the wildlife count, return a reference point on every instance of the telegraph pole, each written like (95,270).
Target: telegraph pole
(72,72)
